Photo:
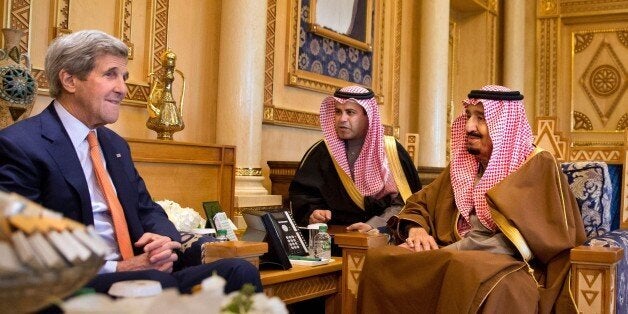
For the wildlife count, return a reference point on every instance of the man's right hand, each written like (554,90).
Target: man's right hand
(419,240)
(142,262)
(320,215)
(158,254)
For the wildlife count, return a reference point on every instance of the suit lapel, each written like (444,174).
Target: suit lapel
(62,151)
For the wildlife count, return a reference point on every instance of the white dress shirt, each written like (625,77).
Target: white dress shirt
(102,216)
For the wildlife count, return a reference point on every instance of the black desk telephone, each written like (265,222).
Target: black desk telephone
(278,229)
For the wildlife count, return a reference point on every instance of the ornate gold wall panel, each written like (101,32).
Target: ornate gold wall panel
(582,76)
(599,79)
(156,34)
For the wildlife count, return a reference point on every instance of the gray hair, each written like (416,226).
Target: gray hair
(76,54)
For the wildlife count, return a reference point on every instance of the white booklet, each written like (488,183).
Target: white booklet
(308,261)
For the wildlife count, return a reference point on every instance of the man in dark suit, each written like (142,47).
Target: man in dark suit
(47,158)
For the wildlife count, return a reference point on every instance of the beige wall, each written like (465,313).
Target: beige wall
(194,35)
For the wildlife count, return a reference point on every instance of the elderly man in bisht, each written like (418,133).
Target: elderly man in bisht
(491,234)
(356,176)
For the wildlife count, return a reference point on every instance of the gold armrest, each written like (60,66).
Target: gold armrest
(354,246)
(593,277)
(250,251)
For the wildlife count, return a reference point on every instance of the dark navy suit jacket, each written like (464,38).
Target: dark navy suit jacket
(38,161)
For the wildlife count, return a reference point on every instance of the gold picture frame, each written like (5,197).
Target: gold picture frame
(359,23)
(320,82)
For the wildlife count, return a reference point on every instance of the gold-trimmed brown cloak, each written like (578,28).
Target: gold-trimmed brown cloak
(535,200)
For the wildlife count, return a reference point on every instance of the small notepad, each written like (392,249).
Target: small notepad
(304,262)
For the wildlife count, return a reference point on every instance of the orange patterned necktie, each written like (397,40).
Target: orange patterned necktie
(104,182)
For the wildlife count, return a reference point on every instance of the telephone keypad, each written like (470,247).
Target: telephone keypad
(292,242)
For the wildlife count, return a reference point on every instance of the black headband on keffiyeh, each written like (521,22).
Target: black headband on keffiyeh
(364,93)
(495,95)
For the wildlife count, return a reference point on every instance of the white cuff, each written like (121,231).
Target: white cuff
(109,267)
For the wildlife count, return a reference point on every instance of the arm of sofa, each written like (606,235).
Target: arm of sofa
(593,277)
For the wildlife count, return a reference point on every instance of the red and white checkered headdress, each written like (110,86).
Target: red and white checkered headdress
(371,174)
(512,143)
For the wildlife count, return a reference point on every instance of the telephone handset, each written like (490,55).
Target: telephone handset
(279,231)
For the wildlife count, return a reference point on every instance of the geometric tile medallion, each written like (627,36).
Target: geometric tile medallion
(604,81)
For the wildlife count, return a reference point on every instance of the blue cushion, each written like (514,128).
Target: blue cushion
(616,175)
(617,238)
(590,183)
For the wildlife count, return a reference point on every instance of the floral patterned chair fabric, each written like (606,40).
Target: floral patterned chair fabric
(591,184)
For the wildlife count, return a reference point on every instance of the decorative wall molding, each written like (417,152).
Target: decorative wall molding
(547,8)
(61,18)
(547,59)
(396,67)
(20,17)
(582,41)
(159,33)
(123,21)
(269,60)
(248,172)
(622,36)
(610,155)
(622,124)
(379,41)
(492,44)
(19,12)
(300,119)
(286,117)
(582,122)
(549,139)
(493,6)
(572,7)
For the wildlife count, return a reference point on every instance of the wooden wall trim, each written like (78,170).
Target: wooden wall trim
(187,173)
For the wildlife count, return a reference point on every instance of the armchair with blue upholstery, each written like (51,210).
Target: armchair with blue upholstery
(600,266)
